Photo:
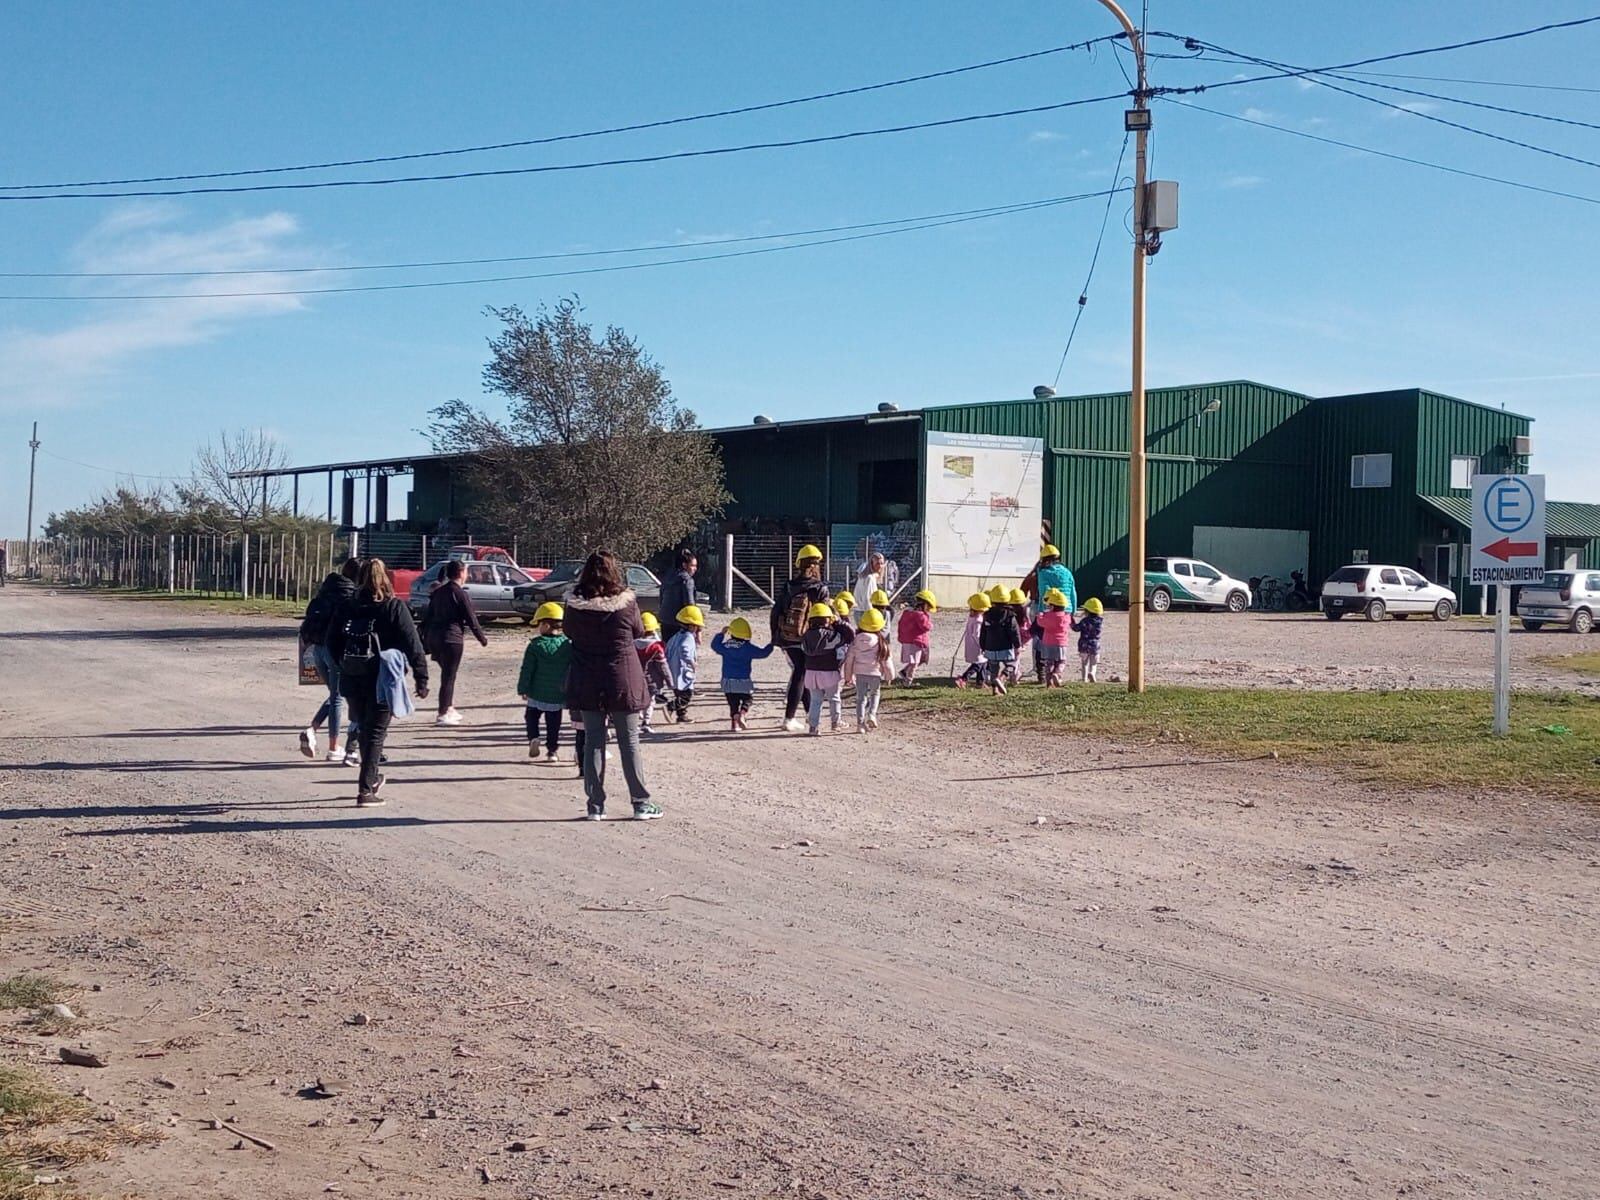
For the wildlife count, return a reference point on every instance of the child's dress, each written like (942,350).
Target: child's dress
(1053,628)
(915,628)
(1089,627)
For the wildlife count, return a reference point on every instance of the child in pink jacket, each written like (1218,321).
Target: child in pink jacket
(1053,628)
(915,635)
(971,651)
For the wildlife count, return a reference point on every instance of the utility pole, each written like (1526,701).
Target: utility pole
(1137,122)
(33,462)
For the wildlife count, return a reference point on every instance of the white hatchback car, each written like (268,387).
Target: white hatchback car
(1377,591)
(1570,598)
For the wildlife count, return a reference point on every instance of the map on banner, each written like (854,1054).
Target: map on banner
(985,504)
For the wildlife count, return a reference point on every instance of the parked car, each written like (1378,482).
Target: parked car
(490,584)
(1187,581)
(1377,591)
(1570,598)
(561,580)
(404,578)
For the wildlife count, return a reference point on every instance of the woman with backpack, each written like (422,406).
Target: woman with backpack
(373,644)
(450,614)
(606,685)
(790,612)
(324,609)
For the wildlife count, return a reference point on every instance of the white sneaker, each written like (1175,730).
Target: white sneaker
(352,756)
(449,717)
(308,742)
(335,756)
(794,725)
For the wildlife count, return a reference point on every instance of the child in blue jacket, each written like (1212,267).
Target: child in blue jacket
(682,649)
(734,647)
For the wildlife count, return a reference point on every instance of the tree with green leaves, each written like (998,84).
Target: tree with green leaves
(592,449)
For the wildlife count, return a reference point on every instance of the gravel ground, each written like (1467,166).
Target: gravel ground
(1305,651)
(841,967)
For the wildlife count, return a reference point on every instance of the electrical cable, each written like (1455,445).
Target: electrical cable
(1418,162)
(110,470)
(671,156)
(1497,108)
(570,137)
(475,262)
(1510,83)
(1314,75)
(1083,294)
(1033,206)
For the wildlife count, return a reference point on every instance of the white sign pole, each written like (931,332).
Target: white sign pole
(1502,660)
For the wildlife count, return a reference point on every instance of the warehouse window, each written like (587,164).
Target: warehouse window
(1371,470)
(1462,468)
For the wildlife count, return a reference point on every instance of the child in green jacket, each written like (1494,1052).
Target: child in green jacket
(542,683)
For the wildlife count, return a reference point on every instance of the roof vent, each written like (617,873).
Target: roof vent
(887,407)
(1522,445)
(762,419)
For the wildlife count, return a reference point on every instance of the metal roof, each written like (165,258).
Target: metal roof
(1562,518)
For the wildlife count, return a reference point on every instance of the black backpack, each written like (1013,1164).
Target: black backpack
(319,615)
(361,648)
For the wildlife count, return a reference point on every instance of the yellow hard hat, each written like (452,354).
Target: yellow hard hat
(979,602)
(1093,605)
(848,599)
(998,593)
(824,611)
(690,614)
(549,611)
(871,621)
(650,623)
(1016,596)
(842,606)
(879,598)
(1056,597)
(1050,551)
(806,553)
(739,628)
(929,599)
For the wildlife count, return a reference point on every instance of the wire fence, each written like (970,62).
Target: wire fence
(763,562)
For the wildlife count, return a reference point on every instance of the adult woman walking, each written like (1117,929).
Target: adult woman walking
(450,614)
(606,686)
(790,611)
(375,623)
(874,574)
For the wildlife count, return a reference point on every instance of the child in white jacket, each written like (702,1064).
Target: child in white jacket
(867,661)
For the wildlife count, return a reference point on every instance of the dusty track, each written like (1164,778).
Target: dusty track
(854,967)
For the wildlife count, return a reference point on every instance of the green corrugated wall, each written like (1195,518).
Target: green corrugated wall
(1380,521)
(812,471)
(1243,465)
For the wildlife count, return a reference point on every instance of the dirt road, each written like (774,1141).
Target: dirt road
(839,968)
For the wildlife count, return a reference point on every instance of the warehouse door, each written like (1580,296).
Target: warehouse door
(1250,553)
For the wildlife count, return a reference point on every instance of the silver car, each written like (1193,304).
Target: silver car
(1570,598)
(490,584)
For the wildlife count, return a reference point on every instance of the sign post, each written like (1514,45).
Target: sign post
(1508,536)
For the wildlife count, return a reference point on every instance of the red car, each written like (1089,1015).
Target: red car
(404,577)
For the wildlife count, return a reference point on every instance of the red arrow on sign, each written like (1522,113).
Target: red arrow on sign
(1505,549)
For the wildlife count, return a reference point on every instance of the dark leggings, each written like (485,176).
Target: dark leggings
(448,656)
(738,703)
(552,726)
(796,695)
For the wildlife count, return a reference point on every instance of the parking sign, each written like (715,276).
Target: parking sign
(1508,529)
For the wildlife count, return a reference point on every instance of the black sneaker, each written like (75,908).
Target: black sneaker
(372,799)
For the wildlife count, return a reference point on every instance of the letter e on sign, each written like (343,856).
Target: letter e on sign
(1508,529)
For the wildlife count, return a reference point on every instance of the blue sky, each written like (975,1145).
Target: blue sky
(1297,264)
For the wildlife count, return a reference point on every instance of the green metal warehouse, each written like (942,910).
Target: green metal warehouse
(1257,479)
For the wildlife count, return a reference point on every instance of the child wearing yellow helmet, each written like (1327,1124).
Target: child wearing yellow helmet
(682,648)
(1089,625)
(915,635)
(734,647)
(542,681)
(867,662)
(1000,637)
(1052,633)
(653,659)
(824,646)
(971,652)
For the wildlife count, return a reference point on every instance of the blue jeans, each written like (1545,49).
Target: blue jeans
(332,710)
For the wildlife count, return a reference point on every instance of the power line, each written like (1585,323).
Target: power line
(1314,75)
(1418,162)
(572,137)
(1031,206)
(1498,108)
(111,470)
(1083,294)
(1509,83)
(672,156)
(476,262)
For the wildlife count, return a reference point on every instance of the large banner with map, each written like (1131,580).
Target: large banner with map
(985,504)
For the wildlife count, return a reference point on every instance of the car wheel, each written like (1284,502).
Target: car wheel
(1159,601)
(1443,610)
(1331,615)
(1238,602)
(1532,626)
(1582,621)
(1376,610)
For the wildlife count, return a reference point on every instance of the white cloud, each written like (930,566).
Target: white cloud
(1412,106)
(1257,114)
(1242,181)
(1046,135)
(72,361)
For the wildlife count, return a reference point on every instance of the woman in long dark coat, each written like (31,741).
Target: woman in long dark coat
(606,686)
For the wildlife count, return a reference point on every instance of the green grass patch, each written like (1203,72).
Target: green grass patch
(1407,738)
(28,990)
(1584,664)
